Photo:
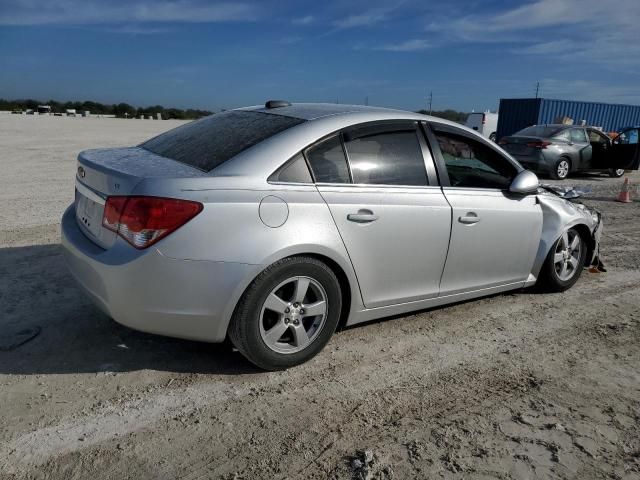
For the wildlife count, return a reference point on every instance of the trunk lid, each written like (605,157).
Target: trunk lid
(116,171)
(517,145)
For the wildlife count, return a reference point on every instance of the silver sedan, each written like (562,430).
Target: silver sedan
(273,225)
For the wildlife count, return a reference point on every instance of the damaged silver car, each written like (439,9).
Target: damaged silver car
(273,225)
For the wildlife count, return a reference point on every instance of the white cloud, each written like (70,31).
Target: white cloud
(306,20)
(78,12)
(367,19)
(591,31)
(408,46)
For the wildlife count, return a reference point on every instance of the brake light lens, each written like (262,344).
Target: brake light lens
(142,221)
(503,141)
(484,118)
(540,145)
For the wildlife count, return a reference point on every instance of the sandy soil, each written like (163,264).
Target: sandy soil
(516,386)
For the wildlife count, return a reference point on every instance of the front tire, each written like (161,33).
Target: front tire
(288,313)
(561,169)
(564,263)
(616,172)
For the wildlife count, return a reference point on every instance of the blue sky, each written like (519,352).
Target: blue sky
(208,54)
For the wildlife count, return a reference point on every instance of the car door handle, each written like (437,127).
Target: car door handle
(363,216)
(469,219)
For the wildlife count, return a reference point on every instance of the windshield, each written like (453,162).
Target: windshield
(211,141)
(538,131)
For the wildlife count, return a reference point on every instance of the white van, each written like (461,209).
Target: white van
(484,123)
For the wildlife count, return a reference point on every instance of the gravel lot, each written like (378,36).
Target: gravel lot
(515,386)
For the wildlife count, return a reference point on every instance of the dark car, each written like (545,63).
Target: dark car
(558,150)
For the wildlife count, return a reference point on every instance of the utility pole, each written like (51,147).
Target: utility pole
(537,88)
(430,102)
(366,100)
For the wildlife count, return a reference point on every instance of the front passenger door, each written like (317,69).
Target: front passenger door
(494,234)
(625,151)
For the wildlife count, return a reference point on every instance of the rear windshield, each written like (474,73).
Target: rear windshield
(211,141)
(538,131)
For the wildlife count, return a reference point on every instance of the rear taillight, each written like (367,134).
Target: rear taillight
(503,141)
(540,145)
(484,119)
(142,221)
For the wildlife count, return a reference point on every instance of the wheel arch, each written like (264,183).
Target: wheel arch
(351,301)
(588,239)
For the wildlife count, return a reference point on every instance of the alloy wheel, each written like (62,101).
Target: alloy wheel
(293,315)
(566,259)
(562,169)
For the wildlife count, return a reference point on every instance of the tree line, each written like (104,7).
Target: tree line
(453,115)
(119,110)
(126,110)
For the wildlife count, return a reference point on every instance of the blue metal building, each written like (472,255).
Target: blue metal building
(518,113)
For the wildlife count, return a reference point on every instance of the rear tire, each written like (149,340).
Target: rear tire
(492,137)
(274,325)
(616,173)
(564,263)
(561,169)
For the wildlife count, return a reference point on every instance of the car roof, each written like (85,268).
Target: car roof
(321,120)
(314,111)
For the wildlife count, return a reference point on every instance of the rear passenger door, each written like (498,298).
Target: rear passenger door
(495,234)
(580,143)
(380,185)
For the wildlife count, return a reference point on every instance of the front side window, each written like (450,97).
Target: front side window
(597,137)
(387,158)
(327,161)
(627,137)
(211,141)
(578,135)
(472,164)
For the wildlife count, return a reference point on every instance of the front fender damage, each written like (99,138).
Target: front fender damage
(560,214)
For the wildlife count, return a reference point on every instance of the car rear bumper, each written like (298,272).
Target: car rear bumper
(148,291)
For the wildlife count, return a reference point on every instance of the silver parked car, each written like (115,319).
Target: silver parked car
(273,225)
(558,150)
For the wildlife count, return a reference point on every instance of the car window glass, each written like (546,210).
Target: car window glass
(388,158)
(327,161)
(627,137)
(472,164)
(563,135)
(578,135)
(211,141)
(296,171)
(597,137)
(537,131)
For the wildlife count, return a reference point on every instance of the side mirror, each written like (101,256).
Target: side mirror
(525,182)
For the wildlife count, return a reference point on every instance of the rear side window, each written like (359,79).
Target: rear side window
(387,158)
(211,141)
(578,135)
(327,161)
(295,171)
(563,135)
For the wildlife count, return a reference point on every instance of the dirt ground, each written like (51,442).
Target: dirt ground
(515,386)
